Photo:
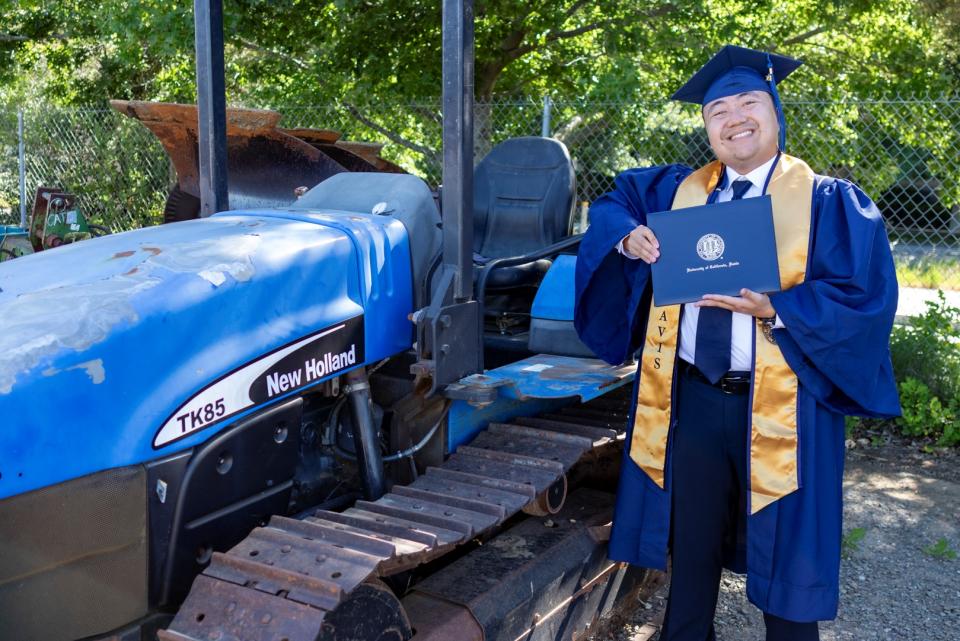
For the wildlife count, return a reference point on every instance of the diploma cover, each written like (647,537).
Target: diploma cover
(714,249)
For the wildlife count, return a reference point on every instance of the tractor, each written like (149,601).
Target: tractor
(346,413)
(54,220)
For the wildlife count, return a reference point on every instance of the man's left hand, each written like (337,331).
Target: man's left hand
(748,302)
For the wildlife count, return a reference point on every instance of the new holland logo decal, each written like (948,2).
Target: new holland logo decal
(292,367)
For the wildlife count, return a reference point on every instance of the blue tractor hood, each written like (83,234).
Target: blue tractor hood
(126,348)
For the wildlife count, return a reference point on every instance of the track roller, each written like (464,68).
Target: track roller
(371,612)
(551,501)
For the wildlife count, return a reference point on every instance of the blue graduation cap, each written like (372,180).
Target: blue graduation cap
(734,70)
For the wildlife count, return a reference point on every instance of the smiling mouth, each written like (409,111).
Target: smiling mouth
(741,134)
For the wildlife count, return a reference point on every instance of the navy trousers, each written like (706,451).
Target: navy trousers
(709,488)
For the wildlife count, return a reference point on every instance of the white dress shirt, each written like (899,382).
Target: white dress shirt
(741,331)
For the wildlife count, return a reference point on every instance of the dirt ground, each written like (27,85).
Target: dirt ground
(900,500)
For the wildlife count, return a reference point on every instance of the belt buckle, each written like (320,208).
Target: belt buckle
(732,386)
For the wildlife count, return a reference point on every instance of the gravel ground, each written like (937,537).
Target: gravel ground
(903,500)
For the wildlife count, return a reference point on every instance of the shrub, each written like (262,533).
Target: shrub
(926,362)
(925,415)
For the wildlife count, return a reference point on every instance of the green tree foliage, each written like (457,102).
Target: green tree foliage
(69,52)
(298,52)
(610,64)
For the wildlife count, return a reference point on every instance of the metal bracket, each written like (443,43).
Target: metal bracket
(477,395)
(448,335)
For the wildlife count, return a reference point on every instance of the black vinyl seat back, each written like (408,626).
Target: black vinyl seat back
(523,197)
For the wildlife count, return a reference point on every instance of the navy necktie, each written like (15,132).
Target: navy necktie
(712,352)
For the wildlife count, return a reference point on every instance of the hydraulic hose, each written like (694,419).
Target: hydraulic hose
(369,459)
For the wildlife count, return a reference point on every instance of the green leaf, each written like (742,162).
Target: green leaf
(850,543)
(941,550)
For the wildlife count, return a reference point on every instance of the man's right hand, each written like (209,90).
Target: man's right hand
(643,244)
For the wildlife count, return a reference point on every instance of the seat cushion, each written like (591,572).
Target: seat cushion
(505,277)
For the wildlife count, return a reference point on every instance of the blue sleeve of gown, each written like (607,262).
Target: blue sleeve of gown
(609,287)
(837,323)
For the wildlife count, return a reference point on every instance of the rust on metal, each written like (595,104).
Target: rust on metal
(372,545)
(512,456)
(472,480)
(598,434)
(294,578)
(470,504)
(533,476)
(549,501)
(422,512)
(321,593)
(582,442)
(531,449)
(370,151)
(232,612)
(346,158)
(334,567)
(266,164)
(380,526)
(444,535)
(47,200)
(312,136)
(502,500)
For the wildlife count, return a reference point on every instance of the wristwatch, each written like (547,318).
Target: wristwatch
(766,326)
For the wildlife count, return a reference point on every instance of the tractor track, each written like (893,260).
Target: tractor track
(290,579)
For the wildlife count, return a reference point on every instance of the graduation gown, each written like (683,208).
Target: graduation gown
(835,338)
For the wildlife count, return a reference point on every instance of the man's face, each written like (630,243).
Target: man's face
(742,129)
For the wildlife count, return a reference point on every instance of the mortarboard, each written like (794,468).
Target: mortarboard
(734,70)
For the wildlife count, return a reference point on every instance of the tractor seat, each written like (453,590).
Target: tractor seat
(523,200)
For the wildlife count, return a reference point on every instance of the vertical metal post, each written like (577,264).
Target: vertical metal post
(457,193)
(545,127)
(211,106)
(22,167)
(449,337)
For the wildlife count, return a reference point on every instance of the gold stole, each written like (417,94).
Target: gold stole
(773,434)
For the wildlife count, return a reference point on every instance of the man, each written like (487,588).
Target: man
(735,452)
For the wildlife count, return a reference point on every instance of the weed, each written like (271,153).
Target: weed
(850,543)
(941,550)
(851,424)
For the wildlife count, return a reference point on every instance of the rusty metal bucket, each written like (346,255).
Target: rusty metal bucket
(265,164)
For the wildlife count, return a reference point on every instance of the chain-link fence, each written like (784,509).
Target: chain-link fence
(902,152)
(116,168)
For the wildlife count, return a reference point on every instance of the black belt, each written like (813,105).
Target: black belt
(729,383)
